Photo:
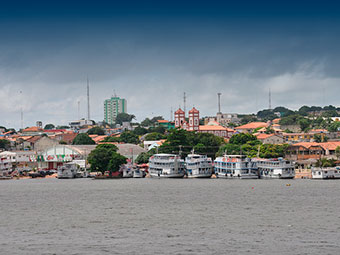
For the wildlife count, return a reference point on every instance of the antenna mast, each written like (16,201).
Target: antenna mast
(219,102)
(270,99)
(184,101)
(78,110)
(21,112)
(88,99)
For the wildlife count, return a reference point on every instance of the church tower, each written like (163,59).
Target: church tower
(194,119)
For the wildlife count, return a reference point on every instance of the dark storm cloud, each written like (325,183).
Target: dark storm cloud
(150,53)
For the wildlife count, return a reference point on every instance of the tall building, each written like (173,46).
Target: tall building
(112,107)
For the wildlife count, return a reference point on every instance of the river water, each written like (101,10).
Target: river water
(169,216)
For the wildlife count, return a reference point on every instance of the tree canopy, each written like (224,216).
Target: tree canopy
(82,139)
(105,158)
(124,117)
(96,131)
(182,140)
(49,126)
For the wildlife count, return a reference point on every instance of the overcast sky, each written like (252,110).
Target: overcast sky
(150,53)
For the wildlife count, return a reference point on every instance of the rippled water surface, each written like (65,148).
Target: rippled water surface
(164,216)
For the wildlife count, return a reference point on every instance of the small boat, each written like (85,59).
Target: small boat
(6,177)
(166,166)
(67,171)
(126,170)
(198,166)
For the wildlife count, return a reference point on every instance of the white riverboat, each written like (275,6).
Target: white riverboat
(235,166)
(275,168)
(325,173)
(198,166)
(166,166)
(67,171)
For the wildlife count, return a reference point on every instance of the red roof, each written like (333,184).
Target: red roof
(162,121)
(179,111)
(54,130)
(193,110)
(253,125)
(33,129)
(212,128)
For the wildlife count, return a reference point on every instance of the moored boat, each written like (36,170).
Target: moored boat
(198,166)
(67,171)
(166,166)
(327,173)
(235,166)
(275,168)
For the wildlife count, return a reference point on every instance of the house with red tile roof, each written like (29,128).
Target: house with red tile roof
(250,127)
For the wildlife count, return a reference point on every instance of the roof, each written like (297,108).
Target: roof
(162,121)
(264,136)
(193,110)
(54,130)
(33,129)
(277,120)
(179,111)
(34,139)
(319,131)
(325,146)
(212,128)
(253,125)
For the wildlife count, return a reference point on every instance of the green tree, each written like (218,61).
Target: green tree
(158,129)
(334,126)
(144,156)
(337,152)
(112,139)
(317,138)
(82,139)
(62,142)
(129,137)
(140,130)
(4,144)
(146,123)
(105,158)
(242,138)
(124,117)
(62,127)
(96,131)
(49,126)
(154,136)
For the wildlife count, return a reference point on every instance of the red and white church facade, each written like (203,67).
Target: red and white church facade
(193,124)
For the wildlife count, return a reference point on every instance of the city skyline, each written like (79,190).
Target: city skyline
(150,53)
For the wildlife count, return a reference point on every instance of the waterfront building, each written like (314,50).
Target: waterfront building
(112,107)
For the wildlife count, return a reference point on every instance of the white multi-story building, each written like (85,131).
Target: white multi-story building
(112,107)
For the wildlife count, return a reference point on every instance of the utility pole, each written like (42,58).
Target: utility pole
(219,102)
(270,99)
(21,113)
(171,114)
(78,110)
(88,99)
(184,101)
